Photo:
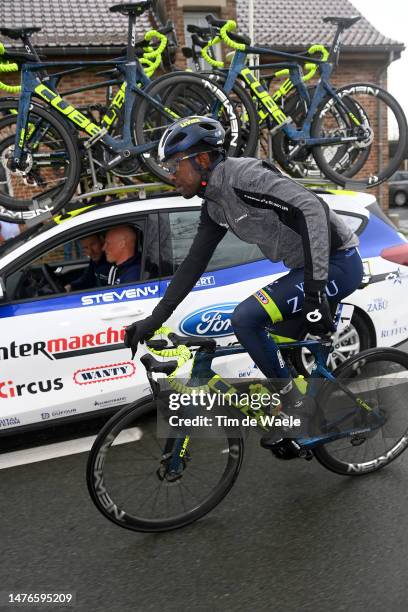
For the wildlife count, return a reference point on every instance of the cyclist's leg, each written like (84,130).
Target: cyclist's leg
(280,304)
(283,300)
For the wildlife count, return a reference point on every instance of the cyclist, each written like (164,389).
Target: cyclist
(287,221)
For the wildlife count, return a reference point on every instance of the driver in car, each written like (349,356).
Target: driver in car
(97,272)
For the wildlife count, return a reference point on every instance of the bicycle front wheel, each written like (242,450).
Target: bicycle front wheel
(51,165)
(379,378)
(179,95)
(130,479)
(246,112)
(373,117)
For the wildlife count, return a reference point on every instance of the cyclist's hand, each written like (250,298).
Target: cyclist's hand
(140,331)
(316,314)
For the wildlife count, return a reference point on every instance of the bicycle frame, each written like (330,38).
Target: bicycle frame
(323,88)
(202,374)
(133,74)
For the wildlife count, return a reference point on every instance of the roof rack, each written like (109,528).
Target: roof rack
(321,183)
(139,189)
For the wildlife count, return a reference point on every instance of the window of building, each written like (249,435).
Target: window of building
(198,18)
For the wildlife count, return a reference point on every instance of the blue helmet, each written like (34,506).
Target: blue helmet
(197,133)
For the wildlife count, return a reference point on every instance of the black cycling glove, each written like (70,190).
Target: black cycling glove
(140,331)
(316,314)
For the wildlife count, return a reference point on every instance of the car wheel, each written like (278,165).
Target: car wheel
(400,198)
(351,340)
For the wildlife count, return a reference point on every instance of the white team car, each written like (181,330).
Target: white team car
(62,354)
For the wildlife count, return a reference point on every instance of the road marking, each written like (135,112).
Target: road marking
(62,449)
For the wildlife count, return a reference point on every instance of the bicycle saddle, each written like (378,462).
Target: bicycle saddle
(16,33)
(240,38)
(194,29)
(344,22)
(133,8)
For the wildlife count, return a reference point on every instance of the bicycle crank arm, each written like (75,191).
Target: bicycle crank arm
(295,151)
(108,165)
(327,142)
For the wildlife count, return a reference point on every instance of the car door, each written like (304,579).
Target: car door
(62,354)
(235,271)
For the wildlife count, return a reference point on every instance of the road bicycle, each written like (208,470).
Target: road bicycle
(95,182)
(285,96)
(344,128)
(146,476)
(48,175)
(258,126)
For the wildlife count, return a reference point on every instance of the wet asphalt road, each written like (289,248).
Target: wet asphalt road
(290,536)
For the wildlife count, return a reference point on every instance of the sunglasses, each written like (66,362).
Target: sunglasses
(172,165)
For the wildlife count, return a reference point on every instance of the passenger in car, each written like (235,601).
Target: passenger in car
(121,250)
(97,272)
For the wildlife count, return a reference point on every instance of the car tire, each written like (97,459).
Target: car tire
(356,336)
(400,198)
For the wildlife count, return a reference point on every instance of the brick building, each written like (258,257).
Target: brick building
(85,29)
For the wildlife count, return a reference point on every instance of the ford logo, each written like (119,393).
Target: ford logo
(211,321)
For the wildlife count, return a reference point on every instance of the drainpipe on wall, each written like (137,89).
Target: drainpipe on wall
(381,80)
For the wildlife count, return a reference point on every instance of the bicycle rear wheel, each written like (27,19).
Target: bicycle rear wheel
(182,95)
(379,377)
(51,161)
(374,115)
(128,472)
(348,158)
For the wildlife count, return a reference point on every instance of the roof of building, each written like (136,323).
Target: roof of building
(70,23)
(298,23)
(281,23)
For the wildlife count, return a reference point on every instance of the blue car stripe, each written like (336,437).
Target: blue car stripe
(376,236)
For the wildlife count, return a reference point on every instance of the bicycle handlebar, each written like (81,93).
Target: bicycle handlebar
(229,27)
(232,41)
(162,45)
(311,67)
(179,350)
(8,67)
(225,36)
(210,60)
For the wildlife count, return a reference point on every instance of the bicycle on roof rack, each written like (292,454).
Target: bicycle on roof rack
(95,183)
(255,118)
(146,472)
(343,128)
(43,164)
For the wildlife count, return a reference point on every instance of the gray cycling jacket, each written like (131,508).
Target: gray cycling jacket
(260,205)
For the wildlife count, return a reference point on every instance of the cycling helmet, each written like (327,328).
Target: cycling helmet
(196,133)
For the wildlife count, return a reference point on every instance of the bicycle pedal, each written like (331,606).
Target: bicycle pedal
(287,449)
(306,454)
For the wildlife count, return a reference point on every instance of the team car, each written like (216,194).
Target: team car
(62,353)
